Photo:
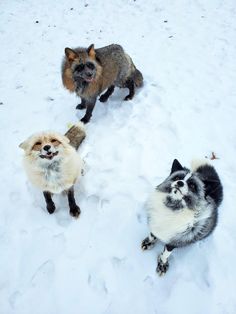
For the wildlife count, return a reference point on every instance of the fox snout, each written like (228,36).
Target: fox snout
(180,184)
(84,72)
(87,76)
(48,150)
(179,188)
(47,147)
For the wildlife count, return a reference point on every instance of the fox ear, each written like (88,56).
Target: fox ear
(91,51)
(70,54)
(24,145)
(176,166)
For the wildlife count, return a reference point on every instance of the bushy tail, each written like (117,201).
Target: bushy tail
(210,178)
(76,134)
(138,78)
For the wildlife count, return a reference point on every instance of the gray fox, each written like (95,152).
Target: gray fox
(88,72)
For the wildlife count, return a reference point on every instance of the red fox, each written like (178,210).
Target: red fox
(53,165)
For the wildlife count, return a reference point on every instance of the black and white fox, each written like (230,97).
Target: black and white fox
(183,209)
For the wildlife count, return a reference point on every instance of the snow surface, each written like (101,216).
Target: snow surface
(55,264)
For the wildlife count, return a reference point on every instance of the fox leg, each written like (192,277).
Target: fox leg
(89,109)
(82,105)
(74,208)
(162,262)
(130,85)
(107,94)
(148,242)
(49,202)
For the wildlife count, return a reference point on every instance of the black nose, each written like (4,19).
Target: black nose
(180,183)
(89,74)
(46,147)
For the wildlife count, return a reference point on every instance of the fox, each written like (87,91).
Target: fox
(52,164)
(183,209)
(88,72)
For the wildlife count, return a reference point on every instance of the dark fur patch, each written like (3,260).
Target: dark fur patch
(173,204)
(213,187)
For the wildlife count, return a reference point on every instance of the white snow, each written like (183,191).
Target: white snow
(55,264)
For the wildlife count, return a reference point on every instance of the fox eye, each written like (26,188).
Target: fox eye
(53,140)
(192,187)
(90,65)
(80,67)
(38,143)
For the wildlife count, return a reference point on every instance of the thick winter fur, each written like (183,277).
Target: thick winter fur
(89,72)
(183,209)
(53,165)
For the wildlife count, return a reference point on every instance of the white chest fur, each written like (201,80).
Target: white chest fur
(164,222)
(54,177)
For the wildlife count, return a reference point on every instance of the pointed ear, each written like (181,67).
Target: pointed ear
(91,52)
(70,54)
(24,145)
(176,166)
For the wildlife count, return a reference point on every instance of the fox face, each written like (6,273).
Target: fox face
(45,147)
(83,64)
(183,188)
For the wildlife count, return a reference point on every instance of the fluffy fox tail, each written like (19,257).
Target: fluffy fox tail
(76,134)
(138,78)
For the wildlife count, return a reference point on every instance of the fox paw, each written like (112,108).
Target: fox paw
(75,211)
(128,97)
(147,244)
(51,208)
(103,98)
(162,267)
(81,106)
(85,120)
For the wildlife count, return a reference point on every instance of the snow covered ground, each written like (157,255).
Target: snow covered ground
(54,264)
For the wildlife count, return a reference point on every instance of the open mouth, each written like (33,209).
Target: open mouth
(89,80)
(177,189)
(49,155)
(84,79)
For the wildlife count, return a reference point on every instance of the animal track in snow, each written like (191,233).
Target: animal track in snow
(14,297)
(117,261)
(97,284)
(44,275)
